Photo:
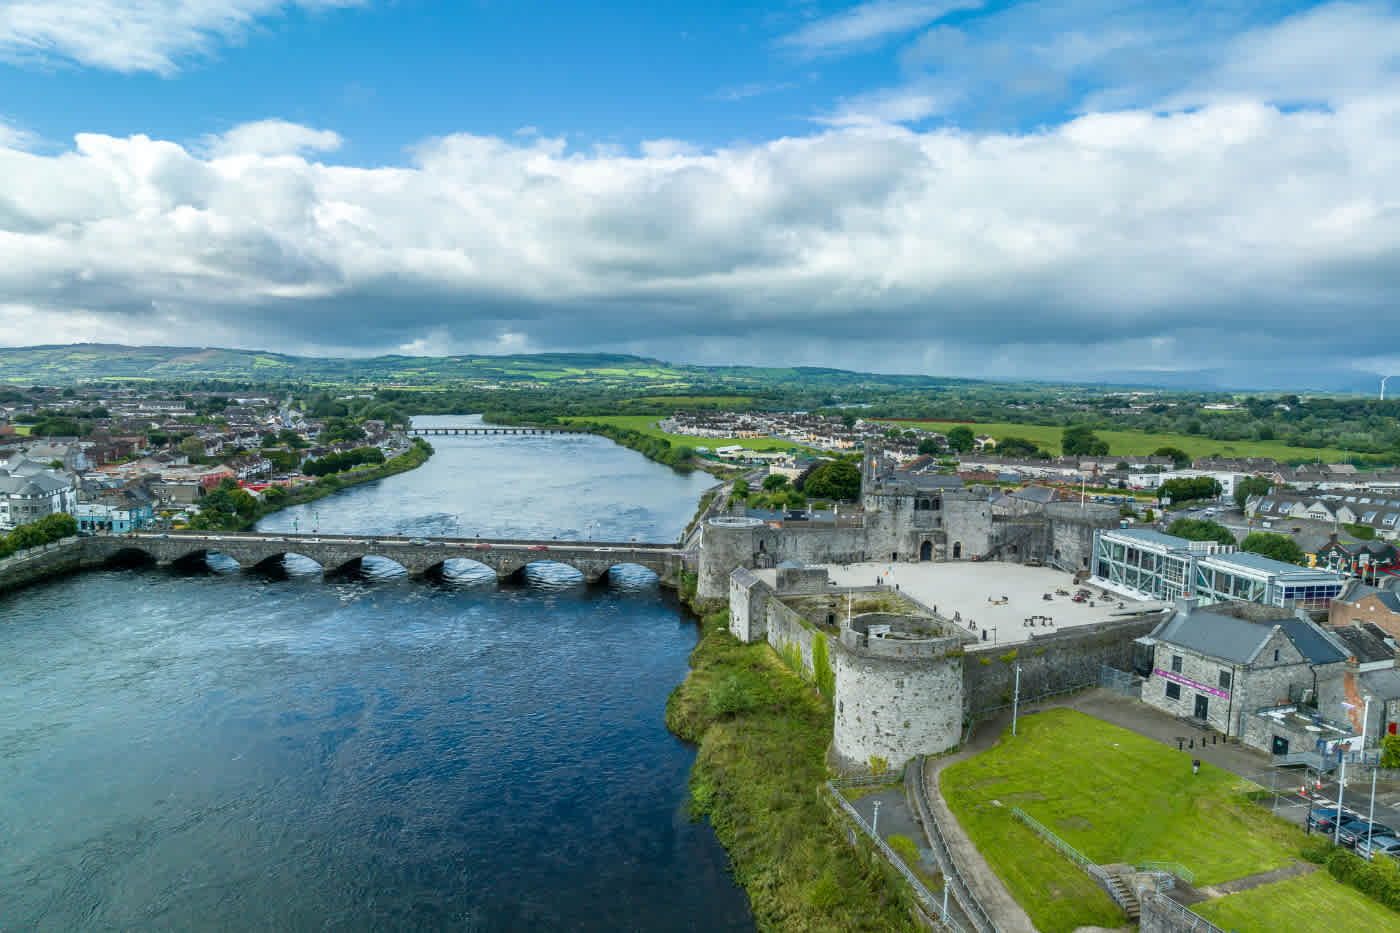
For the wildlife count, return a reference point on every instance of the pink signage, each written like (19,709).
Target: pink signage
(1178,679)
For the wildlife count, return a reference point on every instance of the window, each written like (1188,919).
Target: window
(1173,691)
(1176,664)
(1224,680)
(1275,655)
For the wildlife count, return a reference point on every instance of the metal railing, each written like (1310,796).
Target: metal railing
(1196,921)
(28,554)
(1175,869)
(869,780)
(971,907)
(1091,868)
(931,905)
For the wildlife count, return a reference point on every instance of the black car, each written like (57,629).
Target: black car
(1355,830)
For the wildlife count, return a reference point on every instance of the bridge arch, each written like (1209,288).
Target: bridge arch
(371,566)
(130,558)
(205,560)
(461,571)
(288,564)
(630,576)
(548,573)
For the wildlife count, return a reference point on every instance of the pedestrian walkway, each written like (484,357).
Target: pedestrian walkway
(1249,882)
(984,884)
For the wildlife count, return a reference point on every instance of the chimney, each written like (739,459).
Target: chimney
(1186,604)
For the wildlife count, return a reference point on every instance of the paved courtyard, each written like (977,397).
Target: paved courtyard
(998,597)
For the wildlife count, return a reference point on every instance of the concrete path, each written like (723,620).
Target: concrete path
(1259,880)
(897,818)
(984,884)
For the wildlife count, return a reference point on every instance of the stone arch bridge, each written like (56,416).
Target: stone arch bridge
(419,556)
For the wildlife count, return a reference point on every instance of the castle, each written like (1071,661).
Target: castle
(902,677)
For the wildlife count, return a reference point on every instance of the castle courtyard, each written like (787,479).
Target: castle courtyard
(994,596)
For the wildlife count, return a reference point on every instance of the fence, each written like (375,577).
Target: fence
(1124,682)
(1173,869)
(930,904)
(1191,921)
(971,907)
(1091,868)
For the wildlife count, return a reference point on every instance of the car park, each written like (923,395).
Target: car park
(1358,830)
(1378,845)
(1322,819)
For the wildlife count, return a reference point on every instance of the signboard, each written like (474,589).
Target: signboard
(1178,679)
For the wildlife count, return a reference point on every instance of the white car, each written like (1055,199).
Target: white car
(1383,845)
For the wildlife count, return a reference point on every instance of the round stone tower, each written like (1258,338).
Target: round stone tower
(726,543)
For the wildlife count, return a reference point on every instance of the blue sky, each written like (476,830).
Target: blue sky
(916,185)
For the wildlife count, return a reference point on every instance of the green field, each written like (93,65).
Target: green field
(1140,443)
(646,424)
(1299,905)
(1115,796)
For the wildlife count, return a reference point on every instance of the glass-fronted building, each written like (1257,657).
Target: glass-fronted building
(1151,565)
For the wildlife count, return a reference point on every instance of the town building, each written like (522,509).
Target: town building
(1367,605)
(1149,564)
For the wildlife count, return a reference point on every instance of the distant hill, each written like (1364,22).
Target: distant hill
(64,365)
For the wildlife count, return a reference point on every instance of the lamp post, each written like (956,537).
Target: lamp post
(875,823)
(1016,699)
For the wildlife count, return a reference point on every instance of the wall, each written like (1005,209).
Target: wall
(748,596)
(894,708)
(1072,531)
(1158,917)
(40,563)
(791,636)
(1052,661)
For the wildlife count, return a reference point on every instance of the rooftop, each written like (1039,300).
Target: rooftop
(995,596)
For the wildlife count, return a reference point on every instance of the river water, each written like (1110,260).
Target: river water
(228,752)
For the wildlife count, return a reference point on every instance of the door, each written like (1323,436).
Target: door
(957,550)
(1280,745)
(926,551)
(1202,707)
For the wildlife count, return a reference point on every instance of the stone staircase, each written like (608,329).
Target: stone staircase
(1122,887)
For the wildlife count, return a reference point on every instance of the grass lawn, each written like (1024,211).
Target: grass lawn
(1140,443)
(646,424)
(1299,905)
(1115,796)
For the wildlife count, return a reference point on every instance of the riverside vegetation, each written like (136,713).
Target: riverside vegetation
(759,777)
(228,508)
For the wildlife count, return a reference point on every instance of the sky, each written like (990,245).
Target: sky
(1170,193)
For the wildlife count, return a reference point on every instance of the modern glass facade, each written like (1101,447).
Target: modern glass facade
(1158,566)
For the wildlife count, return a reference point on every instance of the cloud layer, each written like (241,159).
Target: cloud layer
(133,35)
(1233,231)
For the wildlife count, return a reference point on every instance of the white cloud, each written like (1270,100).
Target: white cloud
(14,137)
(868,23)
(272,138)
(908,104)
(133,35)
(881,246)
(752,89)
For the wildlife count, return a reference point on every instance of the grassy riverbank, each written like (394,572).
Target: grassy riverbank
(758,778)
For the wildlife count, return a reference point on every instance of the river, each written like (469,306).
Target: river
(223,751)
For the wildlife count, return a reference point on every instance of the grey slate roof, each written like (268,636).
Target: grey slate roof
(1218,636)
(1239,640)
(1383,685)
(1041,494)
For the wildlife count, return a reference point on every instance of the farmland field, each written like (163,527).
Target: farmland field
(1140,443)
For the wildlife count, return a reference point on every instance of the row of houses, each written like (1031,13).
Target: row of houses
(1379,512)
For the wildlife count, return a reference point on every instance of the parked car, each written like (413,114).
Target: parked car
(483,546)
(1382,845)
(419,541)
(1322,819)
(538,547)
(1357,831)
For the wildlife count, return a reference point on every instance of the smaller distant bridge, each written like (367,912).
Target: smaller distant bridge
(340,554)
(473,429)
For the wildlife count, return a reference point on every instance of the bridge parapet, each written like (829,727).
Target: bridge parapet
(417,555)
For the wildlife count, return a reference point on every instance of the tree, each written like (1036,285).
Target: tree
(192,447)
(1080,440)
(839,479)
(1020,447)
(1195,529)
(962,439)
(1180,458)
(1390,751)
(928,446)
(1199,487)
(1279,547)
(774,481)
(1251,486)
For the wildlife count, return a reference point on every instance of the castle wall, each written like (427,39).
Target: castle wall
(748,597)
(1050,662)
(791,636)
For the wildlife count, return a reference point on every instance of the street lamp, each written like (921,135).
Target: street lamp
(875,823)
(1016,699)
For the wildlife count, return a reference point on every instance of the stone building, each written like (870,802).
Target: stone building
(1222,664)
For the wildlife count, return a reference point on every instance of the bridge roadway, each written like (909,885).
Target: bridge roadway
(419,556)
(473,429)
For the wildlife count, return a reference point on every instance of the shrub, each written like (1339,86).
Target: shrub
(905,847)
